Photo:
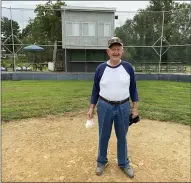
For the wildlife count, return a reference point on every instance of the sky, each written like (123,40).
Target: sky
(26,9)
(22,15)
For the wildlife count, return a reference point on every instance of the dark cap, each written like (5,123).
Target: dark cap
(115,40)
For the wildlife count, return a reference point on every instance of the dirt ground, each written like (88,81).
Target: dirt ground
(60,149)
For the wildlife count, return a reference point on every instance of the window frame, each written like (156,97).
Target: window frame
(88,30)
(66,22)
(104,23)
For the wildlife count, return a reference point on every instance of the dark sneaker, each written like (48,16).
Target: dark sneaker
(128,171)
(100,169)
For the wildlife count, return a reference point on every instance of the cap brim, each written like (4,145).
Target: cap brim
(115,43)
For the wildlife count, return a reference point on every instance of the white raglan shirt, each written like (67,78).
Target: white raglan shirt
(114,83)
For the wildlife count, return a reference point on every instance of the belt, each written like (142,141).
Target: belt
(115,102)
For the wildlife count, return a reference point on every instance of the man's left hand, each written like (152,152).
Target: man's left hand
(134,112)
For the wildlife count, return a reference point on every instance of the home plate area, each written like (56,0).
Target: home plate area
(61,149)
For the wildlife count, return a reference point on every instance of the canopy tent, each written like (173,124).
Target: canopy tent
(33,48)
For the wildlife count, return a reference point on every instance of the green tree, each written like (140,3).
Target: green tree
(45,28)
(166,6)
(7,32)
(181,33)
(144,29)
(128,35)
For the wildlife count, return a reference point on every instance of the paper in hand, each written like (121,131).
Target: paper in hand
(89,123)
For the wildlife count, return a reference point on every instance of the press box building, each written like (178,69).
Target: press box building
(85,33)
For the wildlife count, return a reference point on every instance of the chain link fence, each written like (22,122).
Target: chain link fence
(154,42)
(157,41)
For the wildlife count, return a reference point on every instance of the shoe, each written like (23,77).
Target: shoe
(100,169)
(128,171)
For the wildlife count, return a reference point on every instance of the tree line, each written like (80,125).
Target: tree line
(149,25)
(137,33)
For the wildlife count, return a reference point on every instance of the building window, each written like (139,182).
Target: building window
(104,30)
(88,29)
(72,29)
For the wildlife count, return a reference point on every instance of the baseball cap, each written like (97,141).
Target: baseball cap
(115,40)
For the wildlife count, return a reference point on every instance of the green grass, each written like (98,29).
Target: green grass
(159,100)
(165,101)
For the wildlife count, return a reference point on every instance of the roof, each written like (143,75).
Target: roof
(80,8)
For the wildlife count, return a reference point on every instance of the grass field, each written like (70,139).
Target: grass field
(159,100)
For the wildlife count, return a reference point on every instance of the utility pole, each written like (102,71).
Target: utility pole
(12,35)
(190,12)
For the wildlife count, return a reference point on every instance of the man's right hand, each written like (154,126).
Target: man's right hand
(90,112)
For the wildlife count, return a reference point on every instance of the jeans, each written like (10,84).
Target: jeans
(108,113)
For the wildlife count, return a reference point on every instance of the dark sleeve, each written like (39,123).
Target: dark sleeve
(133,86)
(96,88)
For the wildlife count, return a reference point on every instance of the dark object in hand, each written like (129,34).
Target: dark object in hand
(133,120)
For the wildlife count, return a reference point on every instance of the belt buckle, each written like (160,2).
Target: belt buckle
(120,102)
(117,102)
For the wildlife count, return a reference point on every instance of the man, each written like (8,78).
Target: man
(114,83)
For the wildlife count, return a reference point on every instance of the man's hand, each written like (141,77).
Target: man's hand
(134,111)
(90,111)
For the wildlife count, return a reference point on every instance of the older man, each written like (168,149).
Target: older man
(114,84)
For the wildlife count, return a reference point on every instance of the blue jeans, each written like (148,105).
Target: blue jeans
(108,113)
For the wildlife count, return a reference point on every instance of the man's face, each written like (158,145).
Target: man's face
(115,52)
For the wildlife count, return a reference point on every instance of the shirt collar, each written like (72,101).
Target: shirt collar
(108,62)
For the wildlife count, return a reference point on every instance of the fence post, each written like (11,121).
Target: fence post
(161,41)
(12,35)
(86,67)
(65,52)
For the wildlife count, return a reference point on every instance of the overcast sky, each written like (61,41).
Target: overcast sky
(22,15)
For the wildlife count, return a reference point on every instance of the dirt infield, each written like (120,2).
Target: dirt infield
(62,149)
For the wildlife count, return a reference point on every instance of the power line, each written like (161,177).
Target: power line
(60,9)
(125,46)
